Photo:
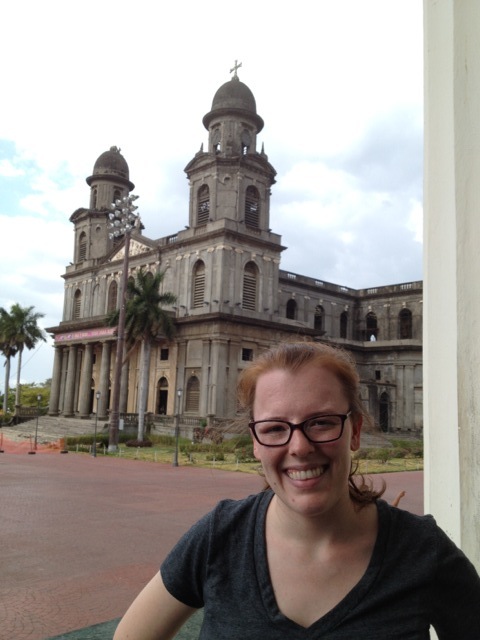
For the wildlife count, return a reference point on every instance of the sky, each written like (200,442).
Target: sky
(339,85)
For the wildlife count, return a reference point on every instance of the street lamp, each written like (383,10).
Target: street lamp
(177,428)
(122,220)
(39,397)
(94,449)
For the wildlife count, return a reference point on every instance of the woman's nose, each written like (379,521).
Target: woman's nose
(299,443)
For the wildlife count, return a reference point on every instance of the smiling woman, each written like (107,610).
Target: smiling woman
(318,554)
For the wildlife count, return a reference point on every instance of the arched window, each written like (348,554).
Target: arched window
(162,396)
(117,195)
(112,296)
(246,141)
(291,309)
(198,284)
(216,137)
(203,205)
(318,318)
(77,304)
(192,400)
(343,324)
(250,277)
(383,413)
(82,247)
(371,326)
(405,325)
(252,207)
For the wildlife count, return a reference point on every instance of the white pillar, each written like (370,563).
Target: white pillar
(452,269)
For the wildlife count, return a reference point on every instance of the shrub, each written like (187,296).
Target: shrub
(139,443)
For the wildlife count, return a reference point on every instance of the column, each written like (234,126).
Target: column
(86,381)
(409,398)
(452,269)
(104,383)
(68,409)
(56,380)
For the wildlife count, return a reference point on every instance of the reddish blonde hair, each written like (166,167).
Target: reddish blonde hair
(293,356)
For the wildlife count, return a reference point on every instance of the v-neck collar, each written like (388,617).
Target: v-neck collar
(335,616)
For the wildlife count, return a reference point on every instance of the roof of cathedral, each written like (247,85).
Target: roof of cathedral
(111,162)
(111,166)
(234,96)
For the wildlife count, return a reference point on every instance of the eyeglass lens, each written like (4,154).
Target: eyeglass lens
(317,429)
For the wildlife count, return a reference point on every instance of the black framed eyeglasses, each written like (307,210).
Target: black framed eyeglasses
(319,429)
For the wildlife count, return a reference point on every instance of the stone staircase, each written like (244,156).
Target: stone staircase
(51,428)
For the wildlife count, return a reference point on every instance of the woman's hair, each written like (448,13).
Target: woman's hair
(292,356)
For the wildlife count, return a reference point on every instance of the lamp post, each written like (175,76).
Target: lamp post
(94,449)
(39,397)
(177,428)
(122,220)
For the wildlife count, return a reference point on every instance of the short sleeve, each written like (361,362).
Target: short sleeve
(456,593)
(184,569)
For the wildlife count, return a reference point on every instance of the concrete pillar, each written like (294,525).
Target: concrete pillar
(56,382)
(63,377)
(86,381)
(452,269)
(104,384)
(409,398)
(68,409)
(400,396)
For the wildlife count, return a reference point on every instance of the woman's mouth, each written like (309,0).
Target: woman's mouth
(306,474)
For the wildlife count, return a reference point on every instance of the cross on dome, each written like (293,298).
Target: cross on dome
(235,67)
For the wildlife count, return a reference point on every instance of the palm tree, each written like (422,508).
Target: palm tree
(19,330)
(8,350)
(145,321)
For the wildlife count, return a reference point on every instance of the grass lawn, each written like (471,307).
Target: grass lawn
(216,457)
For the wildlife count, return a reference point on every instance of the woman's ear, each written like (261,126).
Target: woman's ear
(255,447)
(356,430)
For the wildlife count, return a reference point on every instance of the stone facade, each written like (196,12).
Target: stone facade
(233,300)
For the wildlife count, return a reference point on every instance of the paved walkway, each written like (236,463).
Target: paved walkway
(82,535)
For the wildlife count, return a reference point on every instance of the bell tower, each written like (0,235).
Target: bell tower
(109,182)
(231,180)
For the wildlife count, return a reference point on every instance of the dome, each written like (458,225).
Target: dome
(111,166)
(234,96)
(111,162)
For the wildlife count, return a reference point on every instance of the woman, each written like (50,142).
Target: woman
(317,554)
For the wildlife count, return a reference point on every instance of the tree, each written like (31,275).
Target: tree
(19,330)
(8,350)
(145,322)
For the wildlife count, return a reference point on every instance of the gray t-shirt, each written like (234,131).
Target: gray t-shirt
(416,578)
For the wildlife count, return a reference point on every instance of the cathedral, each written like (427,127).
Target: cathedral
(232,298)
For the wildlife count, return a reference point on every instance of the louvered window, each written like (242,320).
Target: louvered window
(249,300)
(82,247)
(252,207)
(199,284)
(112,297)
(203,205)
(77,304)
(192,401)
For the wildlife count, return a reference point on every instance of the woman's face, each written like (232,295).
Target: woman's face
(310,479)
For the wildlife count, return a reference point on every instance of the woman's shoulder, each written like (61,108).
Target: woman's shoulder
(417,532)
(229,510)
